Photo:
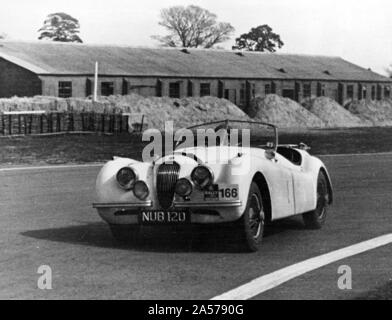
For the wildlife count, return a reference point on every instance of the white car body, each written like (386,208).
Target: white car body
(289,187)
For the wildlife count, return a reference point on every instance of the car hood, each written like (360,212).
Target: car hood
(220,154)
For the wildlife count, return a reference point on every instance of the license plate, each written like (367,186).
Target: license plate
(164,217)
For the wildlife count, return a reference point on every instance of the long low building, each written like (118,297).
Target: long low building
(67,70)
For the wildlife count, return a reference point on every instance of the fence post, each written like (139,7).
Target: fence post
(58,122)
(142,124)
(103,122)
(19,124)
(82,117)
(10,124)
(31,123)
(127,123)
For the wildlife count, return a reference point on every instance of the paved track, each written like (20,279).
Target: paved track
(46,219)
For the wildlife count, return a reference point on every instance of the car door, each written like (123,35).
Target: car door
(302,186)
(281,188)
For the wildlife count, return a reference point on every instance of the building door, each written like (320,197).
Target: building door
(231,95)
(340,93)
(297,91)
(288,93)
(360,91)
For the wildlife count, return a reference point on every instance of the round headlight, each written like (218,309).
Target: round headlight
(126,178)
(202,176)
(183,187)
(140,190)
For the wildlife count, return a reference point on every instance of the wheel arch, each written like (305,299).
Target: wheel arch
(261,182)
(324,171)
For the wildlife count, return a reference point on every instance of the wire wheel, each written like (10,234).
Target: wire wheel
(316,218)
(249,229)
(256,212)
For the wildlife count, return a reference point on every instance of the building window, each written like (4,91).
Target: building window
(190,88)
(364,92)
(107,88)
(387,92)
(379,92)
(253,86)
(267,89)
(307,92)
(320,89)
(205,89)
(242,94)
(174,89)
(350,91)
(65,89)
(158,88)
(373,92)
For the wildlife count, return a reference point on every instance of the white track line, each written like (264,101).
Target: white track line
(73,166)
(274,279)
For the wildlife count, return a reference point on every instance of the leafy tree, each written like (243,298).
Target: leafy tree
(192,26)
(60,27)
(261,38)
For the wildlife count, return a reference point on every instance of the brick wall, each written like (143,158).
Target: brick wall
(17,81)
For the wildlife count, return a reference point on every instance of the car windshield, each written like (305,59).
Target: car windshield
(229,132)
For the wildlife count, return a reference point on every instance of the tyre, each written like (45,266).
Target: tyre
(315,219)
(125,233)
(249,229)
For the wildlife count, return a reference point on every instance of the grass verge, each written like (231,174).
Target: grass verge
(82,148)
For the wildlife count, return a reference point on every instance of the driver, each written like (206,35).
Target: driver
(223,131)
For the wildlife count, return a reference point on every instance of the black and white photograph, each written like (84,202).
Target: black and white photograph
(216,152)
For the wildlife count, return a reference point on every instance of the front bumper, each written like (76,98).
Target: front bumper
(214,204)
(127,213)
(123,205)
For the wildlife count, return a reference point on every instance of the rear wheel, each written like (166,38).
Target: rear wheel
(316,218)
(249,229)
(127,233)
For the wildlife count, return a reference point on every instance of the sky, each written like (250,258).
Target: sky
(357,30)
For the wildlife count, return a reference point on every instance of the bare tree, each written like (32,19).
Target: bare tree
(192,26)
(60,27)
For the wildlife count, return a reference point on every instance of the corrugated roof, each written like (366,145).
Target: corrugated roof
(73,59)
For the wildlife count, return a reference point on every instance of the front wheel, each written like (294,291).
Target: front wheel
(316,219)
(249,229)
(125,233)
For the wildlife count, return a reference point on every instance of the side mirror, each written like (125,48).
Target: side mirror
(270,154)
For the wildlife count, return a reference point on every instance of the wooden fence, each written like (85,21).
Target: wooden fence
(38,122)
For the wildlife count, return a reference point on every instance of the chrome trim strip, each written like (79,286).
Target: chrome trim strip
(120,205)
(215,204)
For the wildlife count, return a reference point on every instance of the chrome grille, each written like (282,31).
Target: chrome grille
(167,177)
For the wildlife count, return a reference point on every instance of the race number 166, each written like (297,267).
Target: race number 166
(228,193)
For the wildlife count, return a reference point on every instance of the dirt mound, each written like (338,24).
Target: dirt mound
(283,112)
(333,114)
(378,113)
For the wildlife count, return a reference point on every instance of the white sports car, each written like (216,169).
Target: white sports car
(236,186)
